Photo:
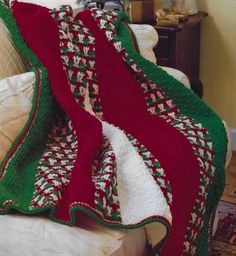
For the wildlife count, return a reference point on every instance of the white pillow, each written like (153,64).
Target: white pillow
(10,60)
(16,94)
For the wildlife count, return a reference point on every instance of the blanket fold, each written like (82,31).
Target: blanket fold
(123,148)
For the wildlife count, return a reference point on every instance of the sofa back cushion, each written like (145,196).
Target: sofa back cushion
(16,94)
(10,60)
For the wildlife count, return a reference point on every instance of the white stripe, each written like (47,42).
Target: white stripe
(139,195)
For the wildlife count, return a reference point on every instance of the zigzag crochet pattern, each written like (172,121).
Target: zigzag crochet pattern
(111,134)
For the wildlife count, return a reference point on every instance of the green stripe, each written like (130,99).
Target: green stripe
(192,106)
(18,182)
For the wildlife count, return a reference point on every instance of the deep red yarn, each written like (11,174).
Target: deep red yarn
(124,105)
(41,34)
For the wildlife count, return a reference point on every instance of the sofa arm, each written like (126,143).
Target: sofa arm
(147,39)
(178,75)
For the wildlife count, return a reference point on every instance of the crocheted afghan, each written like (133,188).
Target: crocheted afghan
(111,134)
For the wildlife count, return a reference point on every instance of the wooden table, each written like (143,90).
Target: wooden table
(179,47)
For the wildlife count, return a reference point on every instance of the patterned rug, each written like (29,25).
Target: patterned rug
(224,241)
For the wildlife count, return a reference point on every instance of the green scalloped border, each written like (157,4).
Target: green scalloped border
(36,128)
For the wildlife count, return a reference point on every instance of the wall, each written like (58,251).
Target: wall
(218,58)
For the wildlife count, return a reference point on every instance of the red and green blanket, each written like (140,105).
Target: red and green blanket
(110,134)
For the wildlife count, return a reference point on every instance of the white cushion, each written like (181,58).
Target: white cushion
(38,236)
(16,94)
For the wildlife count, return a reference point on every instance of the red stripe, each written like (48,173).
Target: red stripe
(42,36)
(124,105)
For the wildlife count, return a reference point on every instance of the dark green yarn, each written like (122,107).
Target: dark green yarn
(18,182)
(190,105)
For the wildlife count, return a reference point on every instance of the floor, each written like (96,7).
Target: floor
(219,246)
(230,186)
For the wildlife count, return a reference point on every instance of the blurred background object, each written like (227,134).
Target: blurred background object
(184,6)
(116,5)
(142,11)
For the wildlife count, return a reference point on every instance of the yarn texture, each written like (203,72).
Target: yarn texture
(110,134)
